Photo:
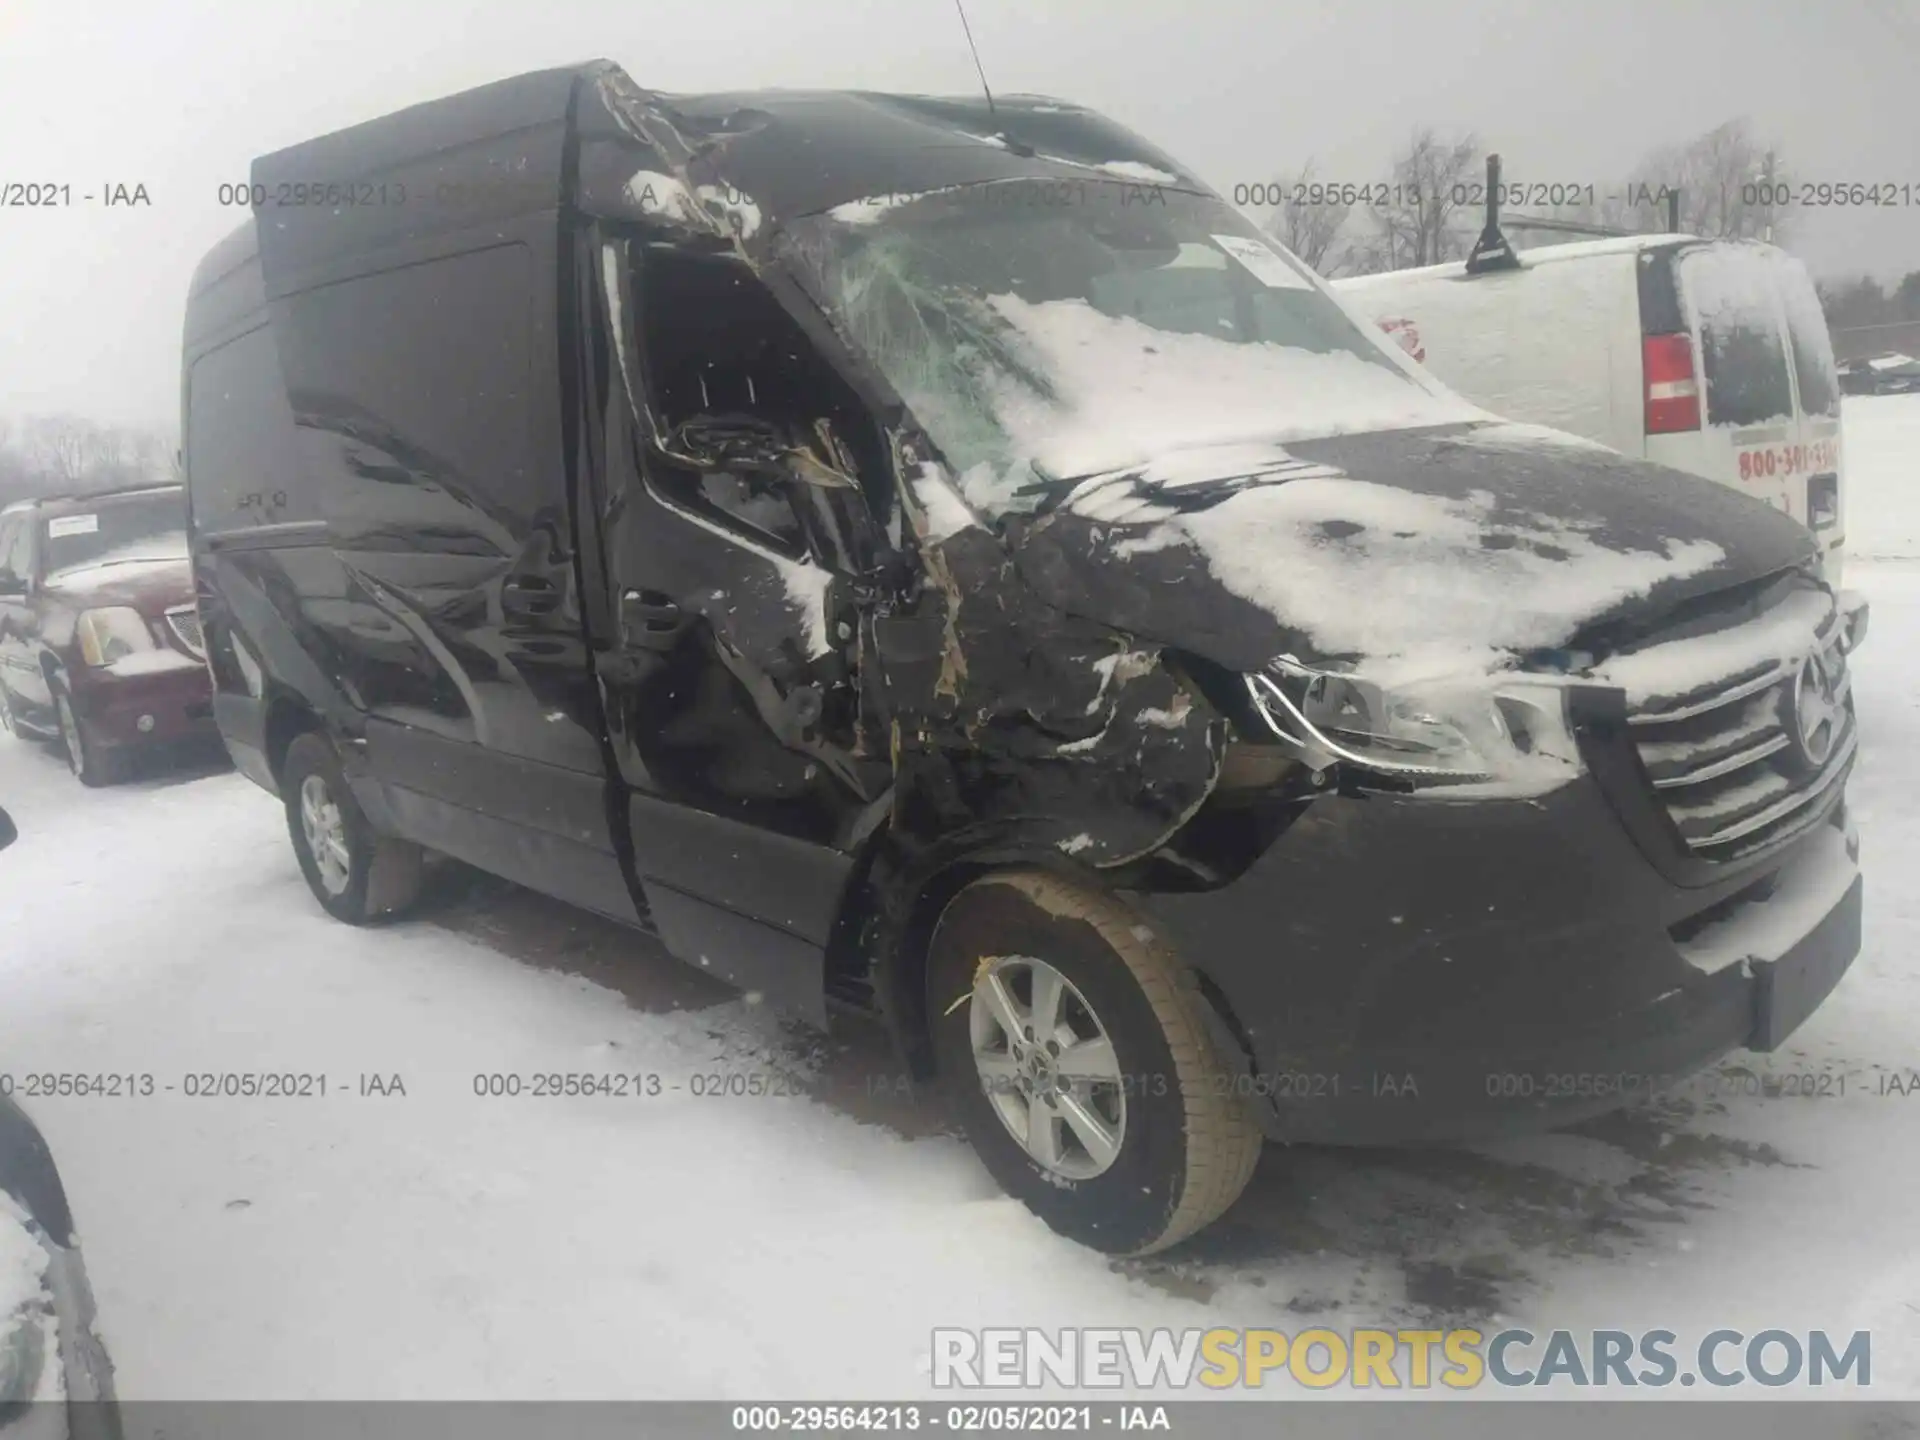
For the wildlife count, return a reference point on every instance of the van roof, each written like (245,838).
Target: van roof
(1534,255)
(501,151)
(803,151)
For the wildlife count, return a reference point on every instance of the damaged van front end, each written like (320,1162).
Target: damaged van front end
(960,567)
(1483,783)
(1481,777)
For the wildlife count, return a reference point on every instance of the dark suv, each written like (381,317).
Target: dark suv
(946,561)
(99,637)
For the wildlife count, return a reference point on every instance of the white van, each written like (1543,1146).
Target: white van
(1711,356)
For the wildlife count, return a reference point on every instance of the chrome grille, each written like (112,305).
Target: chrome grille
(184,621)
(1742,732)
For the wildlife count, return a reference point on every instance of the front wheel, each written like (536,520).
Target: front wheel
(1070,1044)
(92,763)
(356,874)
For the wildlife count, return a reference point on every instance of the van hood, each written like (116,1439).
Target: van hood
(1438,551)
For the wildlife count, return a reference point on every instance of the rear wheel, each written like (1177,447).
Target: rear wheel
(1070,1045)
(356,874)
(93,763)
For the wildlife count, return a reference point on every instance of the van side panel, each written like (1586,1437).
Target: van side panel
(1552,344)
(255,532)
(417,330)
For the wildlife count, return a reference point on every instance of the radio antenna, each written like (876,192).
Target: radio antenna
(976,58)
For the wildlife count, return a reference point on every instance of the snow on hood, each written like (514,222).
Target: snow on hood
(1664,673)
(1411,554)
(1128,392)
(131,569)
(1418,585)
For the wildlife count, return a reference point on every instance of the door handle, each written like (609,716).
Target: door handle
(529,595)
(651,621)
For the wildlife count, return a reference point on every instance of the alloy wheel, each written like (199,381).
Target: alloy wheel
(1048,1067)
(326,834)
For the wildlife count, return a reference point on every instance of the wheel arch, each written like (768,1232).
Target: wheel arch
(895,911)
(288,718)
(903,903)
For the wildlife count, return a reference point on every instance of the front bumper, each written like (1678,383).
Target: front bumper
(1403,969)
(173,690)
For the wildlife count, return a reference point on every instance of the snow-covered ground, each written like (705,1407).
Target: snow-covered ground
(437,1243)
(1882,438)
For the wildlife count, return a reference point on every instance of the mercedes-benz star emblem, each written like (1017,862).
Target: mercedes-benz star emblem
(1814,718)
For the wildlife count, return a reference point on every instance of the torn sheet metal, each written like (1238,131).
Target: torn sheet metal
(1027,720)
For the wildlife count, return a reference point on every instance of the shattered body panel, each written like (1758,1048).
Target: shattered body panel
(1042,727)
(1037,727)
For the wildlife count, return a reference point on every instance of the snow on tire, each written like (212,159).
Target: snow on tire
(1071,1049)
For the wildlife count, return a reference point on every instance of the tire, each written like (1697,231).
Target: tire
(92,763)
(1186,1138)
(357,875)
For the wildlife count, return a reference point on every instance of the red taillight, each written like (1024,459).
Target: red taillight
(1673,395)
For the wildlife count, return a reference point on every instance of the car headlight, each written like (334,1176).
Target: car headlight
(1498,734)
(109,633)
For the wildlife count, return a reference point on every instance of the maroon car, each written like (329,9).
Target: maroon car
(99,639)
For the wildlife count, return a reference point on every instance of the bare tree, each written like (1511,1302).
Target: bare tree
(64,448)
(69,454)
(1421,220)
(1310,230)
(1722,177)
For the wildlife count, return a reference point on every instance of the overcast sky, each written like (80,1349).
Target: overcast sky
(180,95)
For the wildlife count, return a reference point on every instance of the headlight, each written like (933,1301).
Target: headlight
(110,633)
(1509,733)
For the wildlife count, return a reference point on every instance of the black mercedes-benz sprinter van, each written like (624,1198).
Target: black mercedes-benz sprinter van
(945,561)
